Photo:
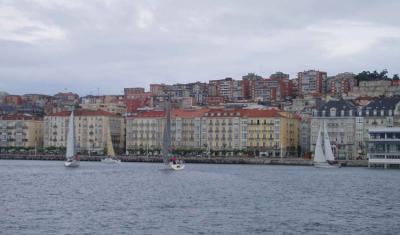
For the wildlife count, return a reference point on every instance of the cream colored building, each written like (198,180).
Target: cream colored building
(21,131)
(273,133)
(223,129)
(145,130)
(91,130)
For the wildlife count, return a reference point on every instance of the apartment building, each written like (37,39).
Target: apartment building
(91,128)
(21,131)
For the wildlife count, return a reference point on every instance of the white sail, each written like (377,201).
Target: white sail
(71,138)
(110,148)
(319,156)
(327,144)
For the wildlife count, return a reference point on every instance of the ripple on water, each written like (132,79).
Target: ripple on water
(40,197)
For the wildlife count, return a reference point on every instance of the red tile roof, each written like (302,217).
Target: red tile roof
(83,112)
(261,113)
(188,113)
(20,117)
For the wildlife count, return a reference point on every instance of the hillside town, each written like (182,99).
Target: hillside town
(254,116)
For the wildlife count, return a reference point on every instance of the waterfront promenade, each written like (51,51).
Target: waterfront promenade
(191,159)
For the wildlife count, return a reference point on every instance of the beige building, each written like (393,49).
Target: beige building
(223,130)
(21,131)
(145,130)
(91,130)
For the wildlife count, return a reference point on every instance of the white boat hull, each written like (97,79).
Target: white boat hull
(176,166)
(72,163)
(110,161)
(325,165)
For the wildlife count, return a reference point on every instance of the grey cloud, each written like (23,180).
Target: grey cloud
(115,44)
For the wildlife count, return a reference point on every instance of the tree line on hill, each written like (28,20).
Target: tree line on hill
(375,76)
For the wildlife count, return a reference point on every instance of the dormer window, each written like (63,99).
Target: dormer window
(375,112)
(342,113)
(382,112)
(350,113)
(333,112)
(323,113)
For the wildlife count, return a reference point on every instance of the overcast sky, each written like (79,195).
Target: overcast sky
(88,46)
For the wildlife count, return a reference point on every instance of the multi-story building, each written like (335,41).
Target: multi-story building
(144,131)
(21,131)
(36,99)
(223,87)
(348,125)
(339,116)
(91,129)
(379,113)
(272,133)
(12,99)
(341,84)
(136,98)
(269,132)
(223,129)
(384,146)
(310,82)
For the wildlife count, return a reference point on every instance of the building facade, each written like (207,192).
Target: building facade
(384,147)
(21,131)
(91,129)
(310,82)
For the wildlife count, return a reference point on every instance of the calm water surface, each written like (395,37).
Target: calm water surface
(44,197)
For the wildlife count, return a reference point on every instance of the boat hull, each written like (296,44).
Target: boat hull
(176,166)
(325,165)
(110,161)
(72,163)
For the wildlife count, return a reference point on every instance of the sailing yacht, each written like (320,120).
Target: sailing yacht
(323,156)
(72,159)
(110,151)
(172,162)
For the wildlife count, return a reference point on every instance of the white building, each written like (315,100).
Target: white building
(384,147)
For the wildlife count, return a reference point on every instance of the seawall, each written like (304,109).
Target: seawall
(204,160)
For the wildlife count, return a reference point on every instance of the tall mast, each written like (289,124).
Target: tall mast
(167,131)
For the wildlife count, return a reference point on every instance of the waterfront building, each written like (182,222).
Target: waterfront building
(339,115)
(384,146)
(348,125)
(271,133)
(381,112)
(263,132)
(311,82)
(91,129)
(21,131)
(144,130)
(224,130)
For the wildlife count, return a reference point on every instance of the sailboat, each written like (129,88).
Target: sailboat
(323,156)
(72,159)
(172,162)
(110,151)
